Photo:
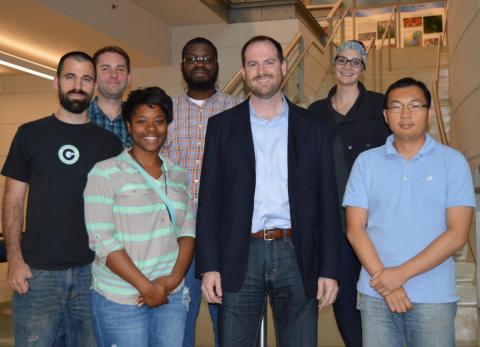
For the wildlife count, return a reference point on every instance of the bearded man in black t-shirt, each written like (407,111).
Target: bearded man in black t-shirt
(49,267)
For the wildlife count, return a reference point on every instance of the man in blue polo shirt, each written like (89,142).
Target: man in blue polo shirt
(409,208)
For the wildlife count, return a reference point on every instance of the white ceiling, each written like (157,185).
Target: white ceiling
(43,30)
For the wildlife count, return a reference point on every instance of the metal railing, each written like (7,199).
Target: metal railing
(295,53)
(380,50)
(237,79)
(371,52)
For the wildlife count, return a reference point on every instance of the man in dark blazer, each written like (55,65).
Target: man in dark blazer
(267,222)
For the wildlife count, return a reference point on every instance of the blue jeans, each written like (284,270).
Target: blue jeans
(140,326)
(272,272)
(424,325)
(55,310)
(193,285)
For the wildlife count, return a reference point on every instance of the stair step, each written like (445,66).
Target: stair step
(465,272)
(462,253)
(466,322)
(467,295)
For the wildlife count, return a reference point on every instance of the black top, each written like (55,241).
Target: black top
(54,158)
(362,128)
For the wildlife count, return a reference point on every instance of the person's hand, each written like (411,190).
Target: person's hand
(212,287)
(398,301)
(387,280)
(18,274)
(154,295)
(327,292)
(170,281)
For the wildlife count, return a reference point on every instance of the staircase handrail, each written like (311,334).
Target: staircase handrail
(335,8)
(435,83)
(372,48)
(335,29)
(237,79)
(380,60)
(436,98)
(298,60)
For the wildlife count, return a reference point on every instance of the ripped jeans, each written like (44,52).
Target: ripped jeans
(55,311)
(121,325)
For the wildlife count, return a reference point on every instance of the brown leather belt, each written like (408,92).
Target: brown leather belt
(272,234)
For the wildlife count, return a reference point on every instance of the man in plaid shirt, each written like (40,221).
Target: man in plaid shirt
(113,75)
(200,101)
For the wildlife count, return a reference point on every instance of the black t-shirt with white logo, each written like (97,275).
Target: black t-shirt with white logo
(54,158)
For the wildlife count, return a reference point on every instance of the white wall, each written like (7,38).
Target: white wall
(463,28)
(228,38)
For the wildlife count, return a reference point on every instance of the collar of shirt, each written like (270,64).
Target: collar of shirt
(280,117)
(96,111)
(205,101)
(427,146)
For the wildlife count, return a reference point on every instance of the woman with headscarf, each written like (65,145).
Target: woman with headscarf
(356,116)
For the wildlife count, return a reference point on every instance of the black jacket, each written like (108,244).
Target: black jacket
(363,127)
(227,188)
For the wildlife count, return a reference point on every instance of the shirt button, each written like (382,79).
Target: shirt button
(405,178)
(196,180)
(350,147)
(197,162)
(199,143)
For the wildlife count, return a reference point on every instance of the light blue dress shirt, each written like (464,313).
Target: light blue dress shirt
(271,207)
(407,202)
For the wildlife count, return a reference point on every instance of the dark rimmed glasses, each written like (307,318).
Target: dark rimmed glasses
(194,60)
(355,62)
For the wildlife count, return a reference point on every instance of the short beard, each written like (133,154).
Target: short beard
(77,106)
(200,85)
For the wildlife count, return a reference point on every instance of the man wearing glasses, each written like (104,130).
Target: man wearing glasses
(409,208)
(191,110)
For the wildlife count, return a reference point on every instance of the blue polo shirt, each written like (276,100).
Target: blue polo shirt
(406,202)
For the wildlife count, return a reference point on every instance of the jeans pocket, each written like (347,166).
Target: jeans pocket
(36,273)
(289,242)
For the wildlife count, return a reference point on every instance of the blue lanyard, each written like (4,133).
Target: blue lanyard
(154,184)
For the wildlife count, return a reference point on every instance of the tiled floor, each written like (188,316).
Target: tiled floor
(327,330)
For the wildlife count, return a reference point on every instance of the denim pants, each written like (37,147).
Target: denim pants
(272,272)
(140,326)
(424,325)
(193,285)
(55,311)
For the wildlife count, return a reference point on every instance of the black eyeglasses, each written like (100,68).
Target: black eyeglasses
(413,107)
(355,62)
(193,60)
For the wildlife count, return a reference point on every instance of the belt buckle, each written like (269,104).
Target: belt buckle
(265,233)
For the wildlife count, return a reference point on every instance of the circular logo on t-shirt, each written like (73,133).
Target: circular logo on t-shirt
(68,154)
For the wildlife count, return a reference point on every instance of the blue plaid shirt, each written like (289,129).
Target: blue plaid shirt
(117,126)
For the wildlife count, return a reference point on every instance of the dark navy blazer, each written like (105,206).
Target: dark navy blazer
(227,188)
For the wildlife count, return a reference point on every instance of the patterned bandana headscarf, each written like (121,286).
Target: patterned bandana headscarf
(355,45)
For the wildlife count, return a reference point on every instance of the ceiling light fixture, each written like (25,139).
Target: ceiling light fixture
(26,65)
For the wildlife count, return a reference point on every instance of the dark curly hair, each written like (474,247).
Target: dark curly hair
(151,96)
